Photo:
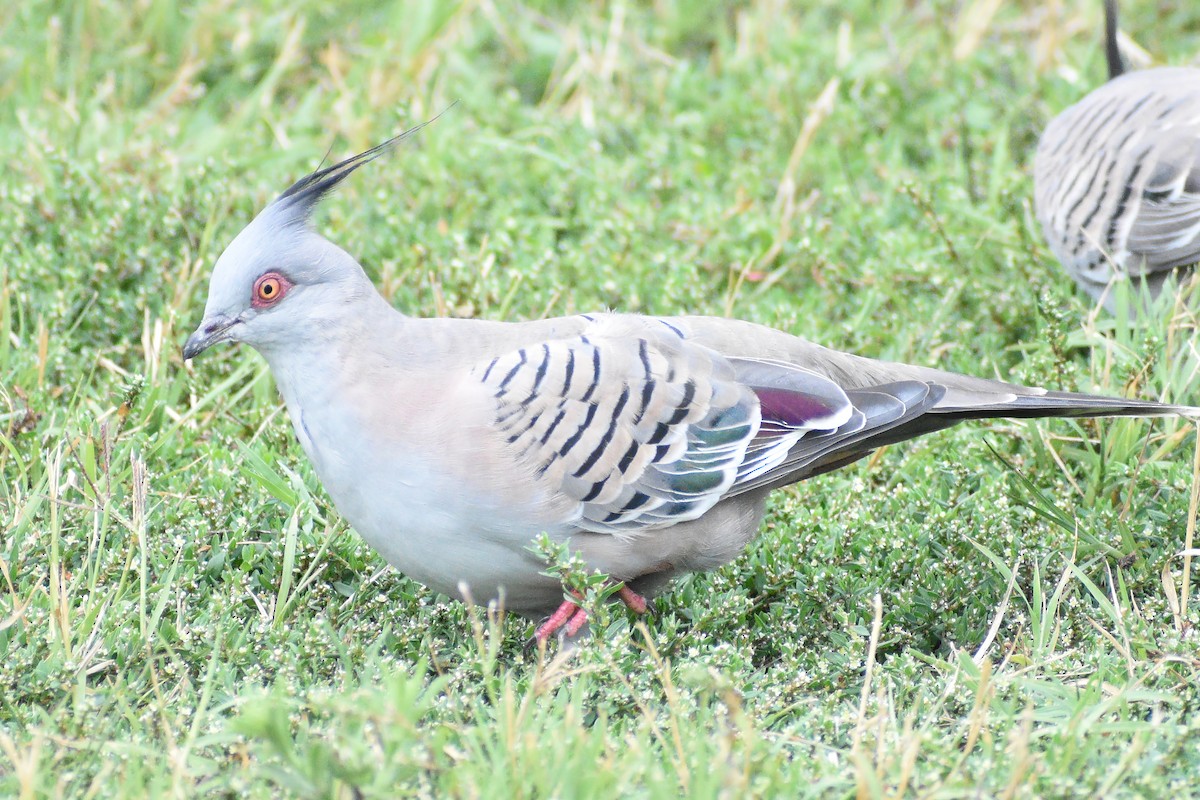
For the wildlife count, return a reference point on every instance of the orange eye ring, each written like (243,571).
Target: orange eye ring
(268,289)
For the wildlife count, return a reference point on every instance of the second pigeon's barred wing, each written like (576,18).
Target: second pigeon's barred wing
(1117,178)
(642,428)
(1166,230)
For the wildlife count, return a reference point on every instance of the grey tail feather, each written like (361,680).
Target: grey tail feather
(308,191)
(1066,404)
(1051,404)
(1112,53)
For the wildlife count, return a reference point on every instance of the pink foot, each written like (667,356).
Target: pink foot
(634,601)
(576,622)
(569,617)
(567,614)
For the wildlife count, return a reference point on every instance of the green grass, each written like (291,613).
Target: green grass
(997,610)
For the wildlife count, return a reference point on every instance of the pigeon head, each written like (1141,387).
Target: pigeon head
(279,278)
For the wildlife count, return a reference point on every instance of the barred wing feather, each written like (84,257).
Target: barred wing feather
(644,429)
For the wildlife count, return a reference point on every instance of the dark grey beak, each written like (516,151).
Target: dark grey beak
(209,333)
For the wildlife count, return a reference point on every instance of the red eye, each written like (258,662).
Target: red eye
(268,289)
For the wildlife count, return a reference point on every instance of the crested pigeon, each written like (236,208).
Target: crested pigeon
(646,445)
(1117,178)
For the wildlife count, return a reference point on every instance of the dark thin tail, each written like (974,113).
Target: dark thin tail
(1112,53)
(1067,404)
(1052,404)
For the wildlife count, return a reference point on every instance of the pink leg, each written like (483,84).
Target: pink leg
(576,622)
(569,617)
(559,618)
(634,601)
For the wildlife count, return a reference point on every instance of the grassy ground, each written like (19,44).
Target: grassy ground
(997,610)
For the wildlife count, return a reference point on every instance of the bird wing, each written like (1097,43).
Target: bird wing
(642,428)
(1117,178)
(640,422)
(1166,229)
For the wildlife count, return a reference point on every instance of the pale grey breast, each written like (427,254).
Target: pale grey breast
(1117,180)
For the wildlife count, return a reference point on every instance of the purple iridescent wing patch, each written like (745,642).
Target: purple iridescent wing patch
(796,409)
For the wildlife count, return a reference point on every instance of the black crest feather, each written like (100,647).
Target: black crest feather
(303,195)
